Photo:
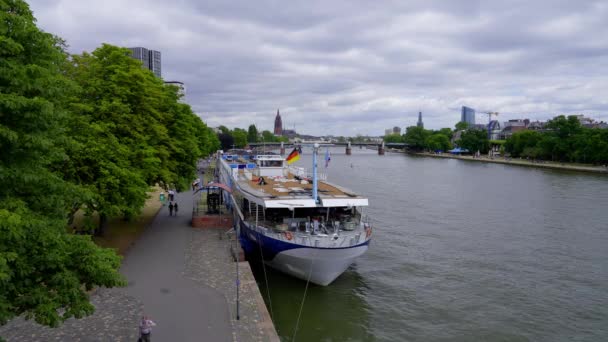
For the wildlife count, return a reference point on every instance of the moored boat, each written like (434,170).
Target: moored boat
(298,223)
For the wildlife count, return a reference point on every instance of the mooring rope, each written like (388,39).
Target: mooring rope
(263,264)
(295,331)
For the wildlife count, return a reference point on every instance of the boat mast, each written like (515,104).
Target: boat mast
(315,149)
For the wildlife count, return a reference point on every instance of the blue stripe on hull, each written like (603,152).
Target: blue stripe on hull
(271,247)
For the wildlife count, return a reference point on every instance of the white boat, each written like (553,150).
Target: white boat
(297,222)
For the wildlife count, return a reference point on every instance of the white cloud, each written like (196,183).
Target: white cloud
(348,67)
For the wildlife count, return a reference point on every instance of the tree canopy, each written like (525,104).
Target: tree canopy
(92,131)
(564,139)
(42,268)
(130,132)
(252,134)
(474,140)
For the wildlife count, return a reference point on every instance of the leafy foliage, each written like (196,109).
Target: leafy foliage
(44,271)
(438,142)
(252,134)
(393,138)
(416,137)
(462,125)
(565,140)
(474,140)
(240,137)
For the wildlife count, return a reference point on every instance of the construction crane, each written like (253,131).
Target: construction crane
(490,122)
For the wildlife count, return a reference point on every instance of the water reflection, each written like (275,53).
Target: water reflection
(331,313)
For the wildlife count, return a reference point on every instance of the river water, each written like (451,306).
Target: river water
(462,251)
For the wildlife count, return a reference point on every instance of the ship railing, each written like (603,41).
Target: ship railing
(305,174)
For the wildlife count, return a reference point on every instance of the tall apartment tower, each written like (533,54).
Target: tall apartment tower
(150,59)
(278,124)
(420,123)
(468,115)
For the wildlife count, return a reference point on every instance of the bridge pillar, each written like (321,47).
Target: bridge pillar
(381,149)
(348,149)
(282,149)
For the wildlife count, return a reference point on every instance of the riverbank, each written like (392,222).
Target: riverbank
(521,162)
(184,278)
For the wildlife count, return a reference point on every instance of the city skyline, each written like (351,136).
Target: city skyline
(347,69)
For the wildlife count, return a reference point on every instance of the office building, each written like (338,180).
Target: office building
(468,115)
(150,59)
(397,130)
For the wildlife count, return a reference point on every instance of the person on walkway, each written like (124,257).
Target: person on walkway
(171,195)
(145,329)
(170,208)
(175,208)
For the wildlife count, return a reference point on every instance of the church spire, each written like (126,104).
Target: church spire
(278,124)
(420,123)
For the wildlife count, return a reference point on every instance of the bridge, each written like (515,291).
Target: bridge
(381,146)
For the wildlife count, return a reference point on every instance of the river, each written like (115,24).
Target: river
(461,251)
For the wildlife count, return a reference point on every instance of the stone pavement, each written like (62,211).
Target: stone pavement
(155,269)
(209,262)
(183,278)
(115,319)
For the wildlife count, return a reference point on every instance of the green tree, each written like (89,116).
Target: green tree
(44,270)
(415,137)
(224,129)
(462,125)
(474,140)
(393,138)
(447,132)
(438,142)
(240,137)
(252,134)
(130,132)
(519,141)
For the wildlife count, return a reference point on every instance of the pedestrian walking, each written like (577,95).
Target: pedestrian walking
(170,208)
(145,329)
(171,195)
(175,208)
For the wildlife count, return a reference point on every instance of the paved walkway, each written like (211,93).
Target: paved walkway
(155,269)
(159,286)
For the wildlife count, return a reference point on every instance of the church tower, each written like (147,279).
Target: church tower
(420,124)
(278,125)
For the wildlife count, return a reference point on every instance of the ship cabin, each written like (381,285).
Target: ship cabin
(278,197)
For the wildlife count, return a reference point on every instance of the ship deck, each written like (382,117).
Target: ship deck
(291,186)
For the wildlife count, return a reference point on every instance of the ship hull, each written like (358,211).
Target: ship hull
(319,265)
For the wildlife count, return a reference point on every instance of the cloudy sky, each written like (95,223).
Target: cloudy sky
(358,67)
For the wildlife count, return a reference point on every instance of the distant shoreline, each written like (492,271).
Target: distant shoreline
(520,162)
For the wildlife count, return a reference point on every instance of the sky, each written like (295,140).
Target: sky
(354,67)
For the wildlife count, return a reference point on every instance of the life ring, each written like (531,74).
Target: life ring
(368,232)
(288,235)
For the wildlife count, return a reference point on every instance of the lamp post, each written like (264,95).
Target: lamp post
(315,150)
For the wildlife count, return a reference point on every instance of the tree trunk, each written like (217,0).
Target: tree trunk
(103,222)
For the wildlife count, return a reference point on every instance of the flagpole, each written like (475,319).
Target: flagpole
(315,149)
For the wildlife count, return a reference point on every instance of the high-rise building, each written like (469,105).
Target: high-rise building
(397,130)
(468,115)
(420,123)
(278,124)
(150,59)
(155,64)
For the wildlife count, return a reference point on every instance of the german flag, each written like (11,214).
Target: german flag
(293,156)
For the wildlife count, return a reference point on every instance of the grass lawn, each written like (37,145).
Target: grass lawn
(121,234)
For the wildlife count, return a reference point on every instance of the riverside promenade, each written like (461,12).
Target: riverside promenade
(521,162)
(183,278)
